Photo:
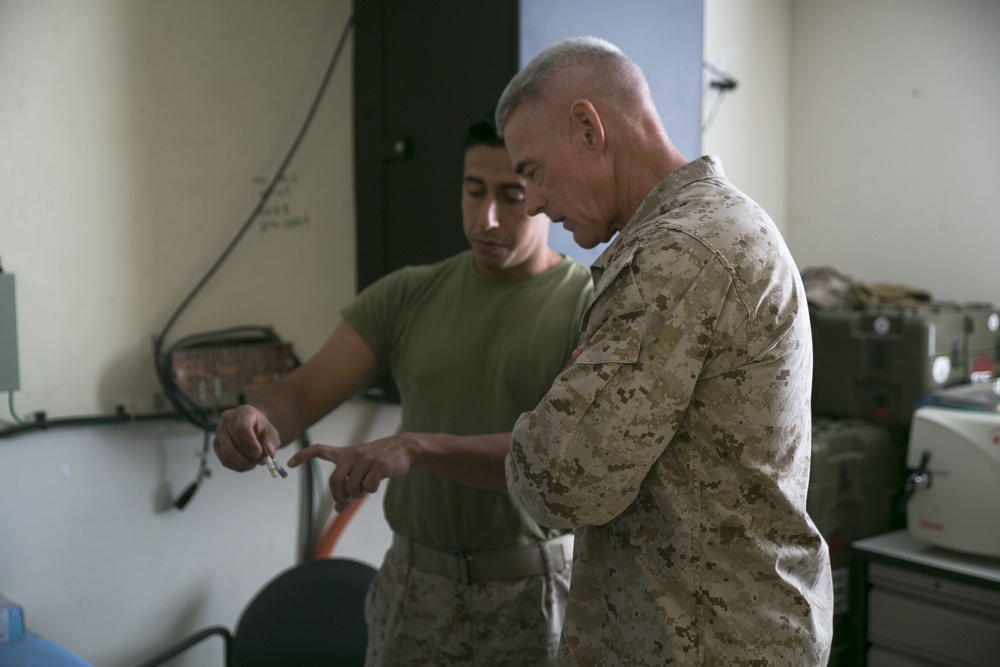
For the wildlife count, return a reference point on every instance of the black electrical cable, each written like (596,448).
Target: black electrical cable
(267,192)
(310,500)
(43,423)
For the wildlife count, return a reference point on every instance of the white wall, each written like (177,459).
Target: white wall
(133,140)
(894,138)
(750,40)
(869,131)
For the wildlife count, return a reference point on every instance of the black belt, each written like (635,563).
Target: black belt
(542,558)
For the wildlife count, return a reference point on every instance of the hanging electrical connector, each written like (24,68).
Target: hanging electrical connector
(204,472)
(722,83)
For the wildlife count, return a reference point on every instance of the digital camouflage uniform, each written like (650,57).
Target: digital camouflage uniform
(469,352)
(679,444)
(417,619)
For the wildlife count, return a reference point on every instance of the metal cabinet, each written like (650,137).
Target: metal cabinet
(917,605)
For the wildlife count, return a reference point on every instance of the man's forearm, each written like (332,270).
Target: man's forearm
(476,460)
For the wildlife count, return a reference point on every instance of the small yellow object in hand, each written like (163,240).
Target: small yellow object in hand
(274,468)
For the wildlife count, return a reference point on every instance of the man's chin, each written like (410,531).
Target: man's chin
(580,236)
(489,264)
(585,241)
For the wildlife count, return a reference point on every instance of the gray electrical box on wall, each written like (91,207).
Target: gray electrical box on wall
(10,378)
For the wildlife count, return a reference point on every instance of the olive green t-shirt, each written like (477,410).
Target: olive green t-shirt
(469,354)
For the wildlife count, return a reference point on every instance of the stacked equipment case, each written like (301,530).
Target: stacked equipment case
(855,479)
(878,362)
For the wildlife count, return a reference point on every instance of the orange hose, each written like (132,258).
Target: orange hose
(328,540)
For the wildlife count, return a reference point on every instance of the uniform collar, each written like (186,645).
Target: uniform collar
(658,202)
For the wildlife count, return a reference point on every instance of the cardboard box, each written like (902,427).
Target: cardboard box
(11,620)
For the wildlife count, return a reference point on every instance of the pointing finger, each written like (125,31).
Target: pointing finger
(324,452)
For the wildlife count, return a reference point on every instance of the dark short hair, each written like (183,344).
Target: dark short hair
(483,132)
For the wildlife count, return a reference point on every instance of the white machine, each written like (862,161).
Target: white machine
(953,495)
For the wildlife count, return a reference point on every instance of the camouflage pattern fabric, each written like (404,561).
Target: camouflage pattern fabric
(417,619)
(679,442)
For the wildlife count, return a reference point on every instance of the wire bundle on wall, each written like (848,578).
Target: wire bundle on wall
(161,358)
(199,414)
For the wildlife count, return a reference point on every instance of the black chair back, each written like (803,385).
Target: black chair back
(310,614)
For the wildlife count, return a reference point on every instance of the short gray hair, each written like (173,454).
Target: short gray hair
(605,62)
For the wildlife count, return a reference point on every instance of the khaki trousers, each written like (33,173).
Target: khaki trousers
(419,619)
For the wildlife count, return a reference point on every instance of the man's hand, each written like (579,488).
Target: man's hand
(361,468)
(243,437)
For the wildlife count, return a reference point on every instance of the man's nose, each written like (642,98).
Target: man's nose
(534,202)
(488,215)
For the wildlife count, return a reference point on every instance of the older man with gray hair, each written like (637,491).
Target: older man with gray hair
(678,443)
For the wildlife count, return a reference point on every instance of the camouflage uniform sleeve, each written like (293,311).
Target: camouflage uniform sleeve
(581,455)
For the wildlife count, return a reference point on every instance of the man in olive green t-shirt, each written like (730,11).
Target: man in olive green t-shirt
(472,342)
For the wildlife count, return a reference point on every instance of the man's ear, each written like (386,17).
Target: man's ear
(587,125)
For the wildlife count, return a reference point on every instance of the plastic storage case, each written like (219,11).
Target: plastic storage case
(856,476)
(855,480)
(877,362)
